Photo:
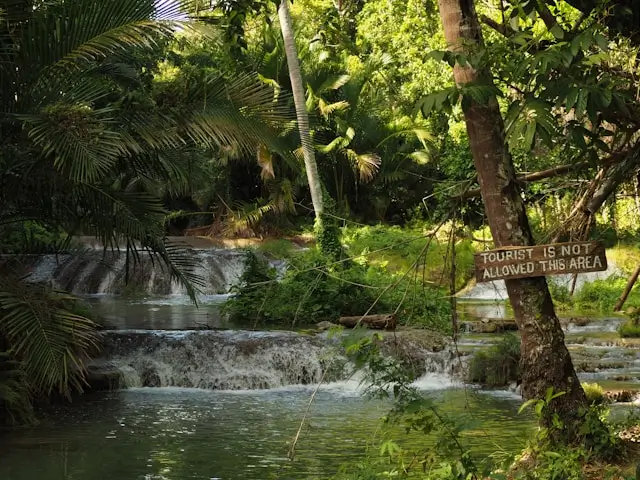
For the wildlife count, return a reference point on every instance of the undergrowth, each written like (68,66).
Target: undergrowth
(602,295)
(548,456)
(498,365)
(311,291)
(396,248)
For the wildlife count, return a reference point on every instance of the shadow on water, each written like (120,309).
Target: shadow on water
(177,434)
(176,312)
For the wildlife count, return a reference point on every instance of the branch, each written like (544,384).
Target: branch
(531,177)
(547,17)
(501,28)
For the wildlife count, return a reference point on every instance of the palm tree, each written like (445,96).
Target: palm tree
(83,149)
(297,87)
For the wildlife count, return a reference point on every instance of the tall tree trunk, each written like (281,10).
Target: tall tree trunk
(545,358)
(315,186)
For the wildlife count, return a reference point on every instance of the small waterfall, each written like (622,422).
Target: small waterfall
(234,360)
(219,360)
(497,290)
(98,273)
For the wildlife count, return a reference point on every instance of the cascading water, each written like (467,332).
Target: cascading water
(236,360)
(98,273)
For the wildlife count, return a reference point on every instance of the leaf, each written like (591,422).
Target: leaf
(572,98)
(50,339)
(421,157)
(557,32)
(602,42)
(529,135)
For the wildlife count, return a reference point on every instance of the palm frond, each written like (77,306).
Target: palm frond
(365,164)
(50,341)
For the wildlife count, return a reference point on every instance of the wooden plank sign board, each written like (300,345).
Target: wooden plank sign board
(538,261)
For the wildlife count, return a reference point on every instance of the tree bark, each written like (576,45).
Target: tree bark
(545,358)
(297,86)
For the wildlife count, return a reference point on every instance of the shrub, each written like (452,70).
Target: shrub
(629,329)
(602,294)
(497,366)
(560,293)
(311,292)
(594,393)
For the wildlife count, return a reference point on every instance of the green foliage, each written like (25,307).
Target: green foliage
(50,341)
(498,365)
(277,248)
(15,398)
(31,237)
(631,328)
(602,295)
(560,293)
(594,392)
(328,237)
(310,292)
(398,248)
(556,456)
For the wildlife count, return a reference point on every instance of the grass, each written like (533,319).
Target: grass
(626,257)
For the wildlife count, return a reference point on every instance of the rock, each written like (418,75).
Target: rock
(150,378)
(487,325)
(323,326)
(621,396)
(103,377)
(515,388)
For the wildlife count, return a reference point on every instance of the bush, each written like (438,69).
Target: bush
(560,293)
(311,292)
(602,295)
(629,329)
(497,366)
(594,393)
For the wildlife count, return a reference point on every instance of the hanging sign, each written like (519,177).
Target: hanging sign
(540,260)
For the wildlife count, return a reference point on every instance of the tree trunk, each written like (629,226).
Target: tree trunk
(286,26)
(627,290)
(545,358)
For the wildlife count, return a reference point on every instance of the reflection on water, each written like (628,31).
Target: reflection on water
(177,434)
(176,312)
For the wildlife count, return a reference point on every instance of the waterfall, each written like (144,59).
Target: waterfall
(98,273)
(497,289)
(233,359)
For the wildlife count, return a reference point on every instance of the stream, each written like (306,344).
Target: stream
(254,390)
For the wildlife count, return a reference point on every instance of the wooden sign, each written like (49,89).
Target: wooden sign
(538,261)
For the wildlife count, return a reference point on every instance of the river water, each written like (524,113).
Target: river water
(179,433)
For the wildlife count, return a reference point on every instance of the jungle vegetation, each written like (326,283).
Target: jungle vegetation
(132,120)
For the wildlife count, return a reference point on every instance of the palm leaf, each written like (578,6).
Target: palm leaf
(50,341)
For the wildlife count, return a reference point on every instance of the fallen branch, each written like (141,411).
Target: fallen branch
(380,322)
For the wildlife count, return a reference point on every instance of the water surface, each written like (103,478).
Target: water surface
(178,434)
